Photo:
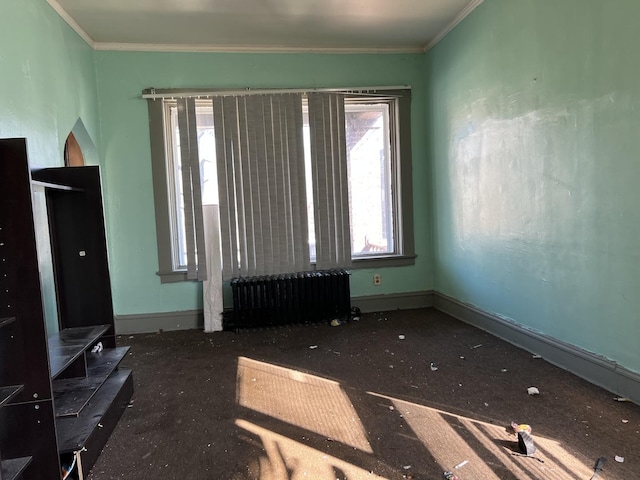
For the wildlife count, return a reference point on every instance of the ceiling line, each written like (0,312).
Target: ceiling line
(454,23)
(147,47)
(72,23)
(154,47)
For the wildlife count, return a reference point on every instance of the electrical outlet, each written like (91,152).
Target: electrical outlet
(377,279)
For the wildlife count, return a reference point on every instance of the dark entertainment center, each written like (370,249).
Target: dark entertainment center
(61,391)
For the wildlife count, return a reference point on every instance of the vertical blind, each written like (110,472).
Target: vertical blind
(330,181)
(191,189)
(261,180)
(260,156)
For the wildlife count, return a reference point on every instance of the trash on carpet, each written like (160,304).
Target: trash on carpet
(520,427)
(533,391)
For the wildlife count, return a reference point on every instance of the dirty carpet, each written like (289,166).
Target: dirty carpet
(396,395)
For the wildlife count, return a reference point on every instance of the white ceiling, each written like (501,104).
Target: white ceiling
(263,25)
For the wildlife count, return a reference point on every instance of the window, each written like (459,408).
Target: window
(377,137)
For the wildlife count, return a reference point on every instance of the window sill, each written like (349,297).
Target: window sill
(174,276)
(361,262)
(383,261)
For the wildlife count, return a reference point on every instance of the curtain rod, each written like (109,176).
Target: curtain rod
(153,93)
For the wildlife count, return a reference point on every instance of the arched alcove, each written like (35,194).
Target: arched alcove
(79,148)
(73,156)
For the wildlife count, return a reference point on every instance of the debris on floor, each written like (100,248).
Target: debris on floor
(336,322)
(525,444)
(434,367)
(533,391)
(598,467)
(520,427)
(619,459)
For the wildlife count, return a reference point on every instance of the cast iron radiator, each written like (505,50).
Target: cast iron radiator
(304,297)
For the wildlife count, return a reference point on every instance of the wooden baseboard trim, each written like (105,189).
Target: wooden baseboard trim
(393,301)
(594,368)
(190,319)
(155,322)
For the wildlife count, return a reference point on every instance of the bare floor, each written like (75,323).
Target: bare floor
(404,394)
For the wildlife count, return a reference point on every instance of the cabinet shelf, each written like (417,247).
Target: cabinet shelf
(69,344)
(75,432)
(56,395)
(72,394)
(6,321)
(7,393)
(11,469)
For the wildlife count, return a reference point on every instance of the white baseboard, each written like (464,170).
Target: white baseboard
(592,367)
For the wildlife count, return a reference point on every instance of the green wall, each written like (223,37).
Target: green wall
(528,112)
(534,122)
(47,86)
(47,80)
(126,158)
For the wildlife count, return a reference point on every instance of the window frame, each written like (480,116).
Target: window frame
(402,189)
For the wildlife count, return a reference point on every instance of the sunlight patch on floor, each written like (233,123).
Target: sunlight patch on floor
(452,439)
(291,460)
(306,401)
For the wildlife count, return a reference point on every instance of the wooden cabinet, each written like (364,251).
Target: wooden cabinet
(61,393)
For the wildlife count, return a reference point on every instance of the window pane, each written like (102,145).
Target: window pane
(207,153)
(308,182)
(368,137)
(369,164)
(179,246)
(208,174)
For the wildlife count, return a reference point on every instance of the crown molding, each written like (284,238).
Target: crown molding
(168,48)
(72,23)
(461,16)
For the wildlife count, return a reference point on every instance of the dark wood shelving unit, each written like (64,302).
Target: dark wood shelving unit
(6,321)
(67,348)
(12,469)
(60,393)
(7,393)
(72,394)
